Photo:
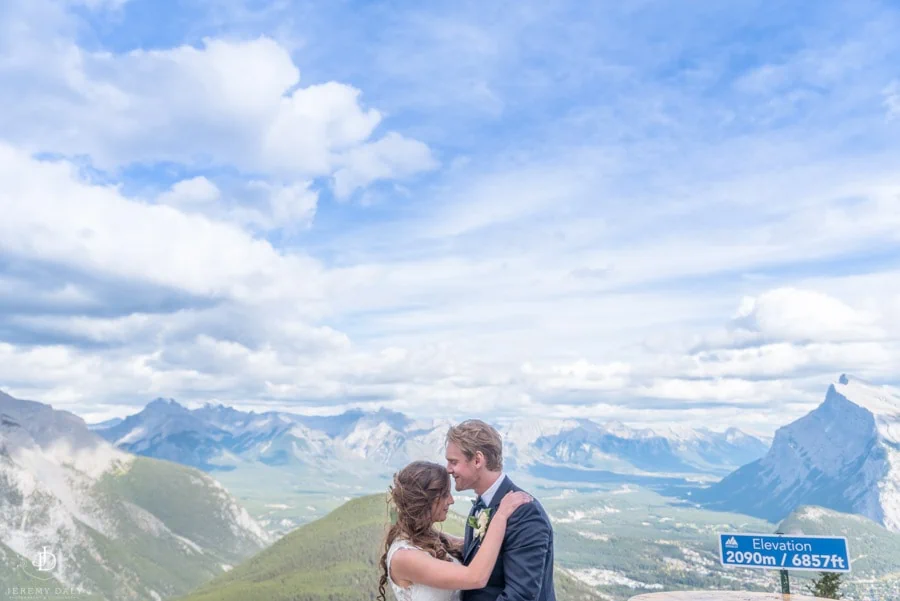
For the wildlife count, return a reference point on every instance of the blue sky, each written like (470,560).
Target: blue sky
(648,211)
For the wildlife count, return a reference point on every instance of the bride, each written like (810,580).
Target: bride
(423,564)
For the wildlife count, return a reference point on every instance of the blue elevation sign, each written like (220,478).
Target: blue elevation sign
(783,552)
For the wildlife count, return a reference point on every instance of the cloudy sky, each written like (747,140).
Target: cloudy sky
(658,212)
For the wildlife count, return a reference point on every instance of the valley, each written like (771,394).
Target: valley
(634,510)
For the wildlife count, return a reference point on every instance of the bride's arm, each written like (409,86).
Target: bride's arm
(422,568)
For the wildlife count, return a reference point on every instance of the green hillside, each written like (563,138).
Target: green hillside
(12,576)
(631,540)
(167,529)
(190,504)
(175,530)
(333,558)
(874,551)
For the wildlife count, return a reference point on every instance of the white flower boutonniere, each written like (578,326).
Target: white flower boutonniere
(479,522)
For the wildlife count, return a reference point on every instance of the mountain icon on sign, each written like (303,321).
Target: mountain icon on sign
(731,542)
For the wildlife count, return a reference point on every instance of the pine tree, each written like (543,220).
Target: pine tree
(828,585)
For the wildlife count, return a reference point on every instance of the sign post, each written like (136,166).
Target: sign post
(780,552)
(785,577)
(785,583)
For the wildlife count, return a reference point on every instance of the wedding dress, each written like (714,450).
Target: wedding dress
(417,592)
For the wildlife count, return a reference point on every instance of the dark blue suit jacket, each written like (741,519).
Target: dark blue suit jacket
(524,570)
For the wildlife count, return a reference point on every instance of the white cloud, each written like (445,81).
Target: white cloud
(283,358)
(51,215)
(257,205)
(794,314)
(393,156)
(291,203)
(314,124)
(785,359)
(114,330)
(508,194)
(604,246)
(188,193)
(580,376)
(228,103)
(730,391)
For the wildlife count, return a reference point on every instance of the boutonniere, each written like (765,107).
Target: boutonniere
(479,522)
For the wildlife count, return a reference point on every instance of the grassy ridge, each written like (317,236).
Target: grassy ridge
(874,550)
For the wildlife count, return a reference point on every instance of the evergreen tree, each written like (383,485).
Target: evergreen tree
(828,585)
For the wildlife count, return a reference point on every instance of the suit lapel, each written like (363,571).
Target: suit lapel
(471,543)
(505,487)
(467,537)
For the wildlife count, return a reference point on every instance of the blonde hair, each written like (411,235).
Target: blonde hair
(474,435)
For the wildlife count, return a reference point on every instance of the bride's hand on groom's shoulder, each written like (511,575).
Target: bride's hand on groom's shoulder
(511,502)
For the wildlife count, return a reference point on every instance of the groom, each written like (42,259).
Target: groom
(524,569)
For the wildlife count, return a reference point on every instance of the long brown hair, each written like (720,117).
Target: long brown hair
(413,493)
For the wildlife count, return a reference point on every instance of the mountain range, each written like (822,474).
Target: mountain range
(216,437)
(843,455)
(126,521)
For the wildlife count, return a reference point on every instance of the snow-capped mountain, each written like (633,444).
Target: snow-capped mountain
(617,447)
(711,451)
(118,526)
(520,436)
(216,437)
(166,430)
(844,455)
(592,445)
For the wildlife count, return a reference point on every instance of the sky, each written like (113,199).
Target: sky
(652,212)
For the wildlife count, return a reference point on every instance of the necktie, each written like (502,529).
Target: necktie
(478,505)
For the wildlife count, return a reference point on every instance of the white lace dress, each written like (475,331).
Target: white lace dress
(417,592)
